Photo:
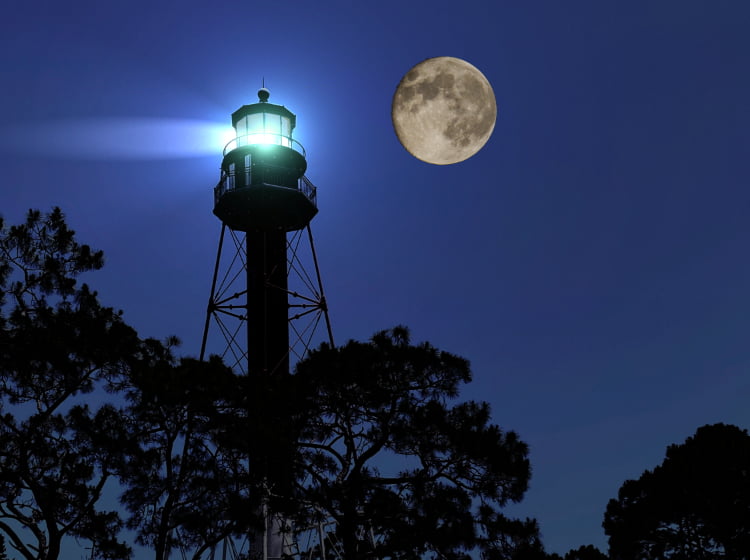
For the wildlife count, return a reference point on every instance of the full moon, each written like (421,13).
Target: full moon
(443,110)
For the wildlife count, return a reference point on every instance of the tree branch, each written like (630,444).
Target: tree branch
(16,542)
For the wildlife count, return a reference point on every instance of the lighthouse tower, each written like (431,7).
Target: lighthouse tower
(266,202)
(266,280)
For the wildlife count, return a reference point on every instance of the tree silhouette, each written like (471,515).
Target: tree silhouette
(3,554)
(369,434)
(588,552)
(695,505)
(403,470)
(57,345)
(183,491)
(62,444)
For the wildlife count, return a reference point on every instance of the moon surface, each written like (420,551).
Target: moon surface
(444,110)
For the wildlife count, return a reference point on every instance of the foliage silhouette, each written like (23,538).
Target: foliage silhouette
(3,554)
(368,434)
(58,345)
(588,552)
(404,470)
(695,505)
(60,352)
(181,488)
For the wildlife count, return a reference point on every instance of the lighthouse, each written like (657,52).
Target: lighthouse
(265,204)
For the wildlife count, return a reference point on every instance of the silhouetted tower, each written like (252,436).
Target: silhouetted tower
(263,193)
(266,280)
(265,204)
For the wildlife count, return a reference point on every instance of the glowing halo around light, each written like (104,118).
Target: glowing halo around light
(228,134)
(122,138)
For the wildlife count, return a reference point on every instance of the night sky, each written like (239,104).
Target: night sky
(591,260)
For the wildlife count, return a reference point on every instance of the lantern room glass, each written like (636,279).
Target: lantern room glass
(264,128)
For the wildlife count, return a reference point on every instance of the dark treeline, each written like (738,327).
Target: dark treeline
(196,450)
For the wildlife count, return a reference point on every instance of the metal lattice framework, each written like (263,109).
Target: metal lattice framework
(227,307)
(227,314)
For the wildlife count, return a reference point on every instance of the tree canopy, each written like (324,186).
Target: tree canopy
(587,552)
(57,343)
(695,505)
(404,469)
(181,489)
(370,435)
(87,406)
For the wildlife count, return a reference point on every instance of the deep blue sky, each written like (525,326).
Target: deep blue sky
(591,261)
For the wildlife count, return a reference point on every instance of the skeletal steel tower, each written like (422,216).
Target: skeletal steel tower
(263,284)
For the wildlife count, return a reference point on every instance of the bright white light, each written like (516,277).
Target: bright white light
(267,138)
(118,138)
(227,135)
